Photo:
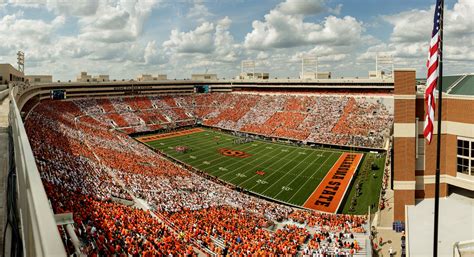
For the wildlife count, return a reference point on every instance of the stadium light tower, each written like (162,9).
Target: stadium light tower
(384,65)
(247,66)
(21,61)
(309,65)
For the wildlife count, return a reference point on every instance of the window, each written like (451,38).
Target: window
(465,156)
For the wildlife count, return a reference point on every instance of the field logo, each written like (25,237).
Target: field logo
(260,172)
(233,153)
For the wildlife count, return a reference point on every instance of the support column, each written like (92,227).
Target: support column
(404,144)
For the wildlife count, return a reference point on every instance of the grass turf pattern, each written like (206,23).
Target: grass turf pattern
(291,173)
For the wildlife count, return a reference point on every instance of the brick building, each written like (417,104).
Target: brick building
(414,161)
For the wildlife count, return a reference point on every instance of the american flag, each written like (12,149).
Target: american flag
(432,78)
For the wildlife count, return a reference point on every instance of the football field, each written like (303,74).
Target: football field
(280,171)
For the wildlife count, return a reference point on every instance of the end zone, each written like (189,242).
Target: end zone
(329,194)
(145,139)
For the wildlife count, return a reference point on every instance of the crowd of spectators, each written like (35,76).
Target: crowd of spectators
(357,120)
(84,163)
(340,223)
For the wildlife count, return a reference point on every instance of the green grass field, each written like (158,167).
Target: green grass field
(371,181)
(291,173)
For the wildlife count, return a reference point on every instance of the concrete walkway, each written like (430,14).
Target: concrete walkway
(4,109)
(383,221)
(383,224)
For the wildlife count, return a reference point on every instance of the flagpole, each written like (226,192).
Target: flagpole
(438,145)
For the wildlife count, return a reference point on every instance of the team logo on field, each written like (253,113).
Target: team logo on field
(233,153)
(260,172)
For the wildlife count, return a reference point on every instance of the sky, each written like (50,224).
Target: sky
(125,38)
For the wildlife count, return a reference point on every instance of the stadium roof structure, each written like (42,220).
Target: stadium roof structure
(459,84)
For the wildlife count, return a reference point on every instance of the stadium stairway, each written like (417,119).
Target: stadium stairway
(362,239)
(4,110)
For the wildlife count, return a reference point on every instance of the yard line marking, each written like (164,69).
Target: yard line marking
(245,164)
(198,143)
(177,142)
(312,175)
(179,133)
(204,144)
(267,160)
(223,157)
(296,176)
(289,162)
(238,147)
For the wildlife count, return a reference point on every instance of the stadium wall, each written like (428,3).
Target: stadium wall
(38,226)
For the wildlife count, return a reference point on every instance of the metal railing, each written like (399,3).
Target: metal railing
(463,248)
(39,232)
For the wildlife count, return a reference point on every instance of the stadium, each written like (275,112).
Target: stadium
(249,166)
(290,160)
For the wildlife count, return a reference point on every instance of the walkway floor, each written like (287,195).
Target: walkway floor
(383,221)
(456,223)
(390,238)
(4,109)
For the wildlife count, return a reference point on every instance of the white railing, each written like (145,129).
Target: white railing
(38,228)
(463,248)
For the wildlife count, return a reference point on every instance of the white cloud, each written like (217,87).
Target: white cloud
(113,20)
(285,27)
(282,30)
(60,7)
(209,39)
(115,23)
(198,11)
(109,37)
(412,32)
(335,10)
(79,8)
(22,31)
(199,40)
(410,26)
(153,55)
(305,7)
